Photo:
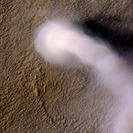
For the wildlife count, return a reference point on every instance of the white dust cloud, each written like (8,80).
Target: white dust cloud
(61,42)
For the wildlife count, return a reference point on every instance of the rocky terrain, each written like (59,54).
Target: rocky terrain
(39,97)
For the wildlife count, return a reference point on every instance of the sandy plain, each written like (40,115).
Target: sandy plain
(39,97)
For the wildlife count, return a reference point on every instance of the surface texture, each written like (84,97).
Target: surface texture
(36,96)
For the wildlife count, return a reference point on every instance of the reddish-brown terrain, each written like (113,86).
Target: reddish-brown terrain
(39,97)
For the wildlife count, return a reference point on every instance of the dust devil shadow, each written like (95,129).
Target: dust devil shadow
(121,42)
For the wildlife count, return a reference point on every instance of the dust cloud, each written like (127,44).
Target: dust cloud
(62,42)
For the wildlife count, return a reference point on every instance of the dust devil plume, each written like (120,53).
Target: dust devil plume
(62,42)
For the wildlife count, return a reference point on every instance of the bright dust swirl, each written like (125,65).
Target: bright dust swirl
(62,42)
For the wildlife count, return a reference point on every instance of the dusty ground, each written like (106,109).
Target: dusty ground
(39,97)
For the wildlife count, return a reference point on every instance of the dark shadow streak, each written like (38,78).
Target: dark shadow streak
(121,42)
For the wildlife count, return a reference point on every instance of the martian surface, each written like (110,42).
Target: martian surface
(37,96)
